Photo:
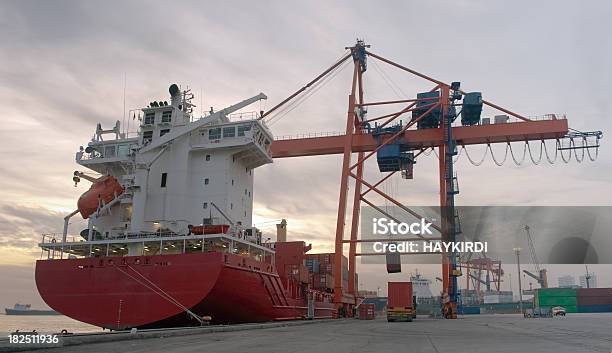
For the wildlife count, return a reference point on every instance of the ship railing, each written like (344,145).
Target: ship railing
(57,249)
(243,116)
(57,238)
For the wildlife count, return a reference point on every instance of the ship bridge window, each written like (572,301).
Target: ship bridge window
(164,179)
(147,137)
(166,116)
(208,157)
(163,132)
(149,118)
(123,150)
(109,151)
(206,181)
(214,134)
(229,131)
(242,129)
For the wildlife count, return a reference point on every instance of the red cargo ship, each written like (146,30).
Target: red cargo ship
(175,290)
(169,238)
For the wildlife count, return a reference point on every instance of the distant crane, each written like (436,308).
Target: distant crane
(587,276)
(541,276)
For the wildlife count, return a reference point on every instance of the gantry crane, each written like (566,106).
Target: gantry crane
(397,146)
(541,276)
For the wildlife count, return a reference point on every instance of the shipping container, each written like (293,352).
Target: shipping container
(298,273)
(594,308)
(594,301)
(313,265)
(468,310)
(594,292)
(556,301)
(556,292)
(551,297)
(367,311)
(401,303)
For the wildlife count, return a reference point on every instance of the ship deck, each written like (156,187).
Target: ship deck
(152,244)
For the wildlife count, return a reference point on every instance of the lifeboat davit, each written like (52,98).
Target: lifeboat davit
(103,190)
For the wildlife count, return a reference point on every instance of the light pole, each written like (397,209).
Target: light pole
(518,266)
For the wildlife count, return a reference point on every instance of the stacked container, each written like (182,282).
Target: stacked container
(594,300)
(547,298)
(298,273)
(321,267)
(313,265)
(367,311)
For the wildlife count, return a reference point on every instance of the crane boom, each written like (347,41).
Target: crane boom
(541,276)
(424,138)
(532,252)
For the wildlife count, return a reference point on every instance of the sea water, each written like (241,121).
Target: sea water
(43,324)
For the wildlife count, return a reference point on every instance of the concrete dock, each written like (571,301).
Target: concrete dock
(474,334)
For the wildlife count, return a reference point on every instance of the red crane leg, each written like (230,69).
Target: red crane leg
(346,163)
(355,226)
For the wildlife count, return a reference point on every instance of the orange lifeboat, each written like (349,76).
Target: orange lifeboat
(103,189)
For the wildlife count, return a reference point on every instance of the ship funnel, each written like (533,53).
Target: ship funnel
(281,231)
(175,95)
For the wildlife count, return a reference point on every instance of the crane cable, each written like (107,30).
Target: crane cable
(307,93)
(389,81)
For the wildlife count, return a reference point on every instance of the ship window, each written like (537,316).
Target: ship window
(231,206)
(164,179)
(163,132)
(249,194)
(149,118)
(147,137)
(109,151)
(206,181)
(208,157)
(229,131)
(205,205)
(242,129)
(214,134)
(245,191)
(233,159)
(123,150)
(232,182)
(166,116)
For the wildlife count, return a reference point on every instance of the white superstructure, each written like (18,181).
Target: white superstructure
(176,169)
(420,286)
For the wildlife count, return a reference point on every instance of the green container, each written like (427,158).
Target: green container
(557,301)
(556,292)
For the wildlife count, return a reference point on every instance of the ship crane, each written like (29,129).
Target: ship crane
(541,276)
(397,146)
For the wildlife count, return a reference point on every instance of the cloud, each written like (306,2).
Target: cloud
(21,229)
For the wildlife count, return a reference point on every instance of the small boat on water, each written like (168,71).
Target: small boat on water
(26,309)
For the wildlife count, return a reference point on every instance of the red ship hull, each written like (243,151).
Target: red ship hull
(155,291)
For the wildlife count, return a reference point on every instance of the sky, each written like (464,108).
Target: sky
(64,66)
